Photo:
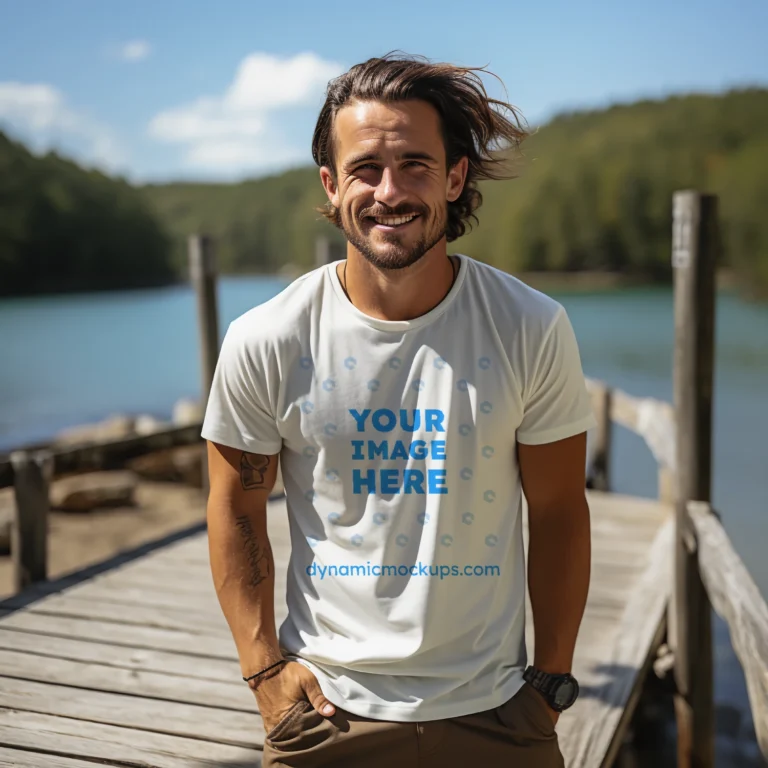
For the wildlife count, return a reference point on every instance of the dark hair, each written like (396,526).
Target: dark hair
(473,124)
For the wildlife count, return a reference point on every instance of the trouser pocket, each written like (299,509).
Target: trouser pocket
(527,712)
(283,728)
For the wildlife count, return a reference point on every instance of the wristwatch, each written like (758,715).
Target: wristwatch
(559,691)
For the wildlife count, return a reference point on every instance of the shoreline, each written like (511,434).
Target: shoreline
(587,281)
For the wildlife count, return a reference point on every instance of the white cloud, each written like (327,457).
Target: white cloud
(39,114)
(237,130)
(134,50)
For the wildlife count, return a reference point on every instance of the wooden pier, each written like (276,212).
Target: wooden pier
(131,663)
(135,665)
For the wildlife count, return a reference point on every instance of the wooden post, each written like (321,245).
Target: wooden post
(202,269)
(322,251)
(601,462)
(694,255)
(32,473)
(667,485)
(327,251)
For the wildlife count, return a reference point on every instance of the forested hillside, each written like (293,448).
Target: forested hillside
(597,187)
(594,193)
(63,228)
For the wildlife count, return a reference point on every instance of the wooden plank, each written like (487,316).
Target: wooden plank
(191,720)
(112,744)
(128,635)
(125,657)
(17,758)
(593,727)
(200,622)
(125,594)
(736,598)
(230,694)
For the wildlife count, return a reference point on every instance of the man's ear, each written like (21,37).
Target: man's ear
(329,184)
(457,175)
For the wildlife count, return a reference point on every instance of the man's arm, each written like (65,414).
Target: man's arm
(242,566)
(559,546)
(243,572)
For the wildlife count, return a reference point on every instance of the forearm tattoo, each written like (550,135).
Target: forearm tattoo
(258,555)
(253,470)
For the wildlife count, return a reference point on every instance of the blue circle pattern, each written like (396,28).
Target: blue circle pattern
(312,542)
(380,518)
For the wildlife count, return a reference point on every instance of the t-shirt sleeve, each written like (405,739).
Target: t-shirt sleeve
(556,404)
(238,413)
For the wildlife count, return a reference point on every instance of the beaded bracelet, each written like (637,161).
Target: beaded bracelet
(276,664)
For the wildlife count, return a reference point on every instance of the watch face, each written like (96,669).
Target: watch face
(566,693)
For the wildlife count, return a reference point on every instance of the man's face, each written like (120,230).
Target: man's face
(393,187)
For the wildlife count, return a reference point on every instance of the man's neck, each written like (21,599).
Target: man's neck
(397,294)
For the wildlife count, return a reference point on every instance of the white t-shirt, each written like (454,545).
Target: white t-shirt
(406,582)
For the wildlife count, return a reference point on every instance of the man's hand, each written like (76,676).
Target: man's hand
(278,693)
(554,715)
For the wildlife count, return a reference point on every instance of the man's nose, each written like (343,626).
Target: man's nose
(390,190)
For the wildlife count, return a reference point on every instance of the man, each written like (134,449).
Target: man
(411,398)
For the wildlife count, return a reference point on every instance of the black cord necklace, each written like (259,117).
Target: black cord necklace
(453,280)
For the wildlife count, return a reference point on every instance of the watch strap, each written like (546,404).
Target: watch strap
(544,682)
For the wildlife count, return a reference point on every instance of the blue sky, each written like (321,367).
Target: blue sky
(226,89)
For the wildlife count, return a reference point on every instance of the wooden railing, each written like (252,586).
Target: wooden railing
(31,472)
(707,571)
(729,587)
(653,420)
(736,598)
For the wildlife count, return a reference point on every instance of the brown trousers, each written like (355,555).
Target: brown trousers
(517,733)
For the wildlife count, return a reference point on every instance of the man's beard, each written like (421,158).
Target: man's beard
(396,255)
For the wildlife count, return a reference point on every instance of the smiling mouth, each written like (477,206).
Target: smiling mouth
(390,223)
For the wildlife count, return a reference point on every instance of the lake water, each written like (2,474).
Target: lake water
(72,359)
